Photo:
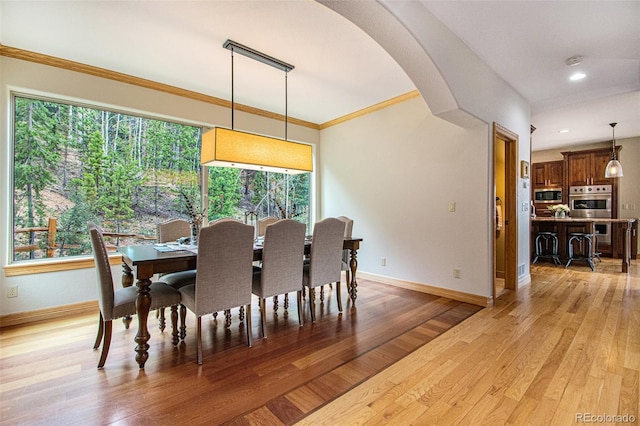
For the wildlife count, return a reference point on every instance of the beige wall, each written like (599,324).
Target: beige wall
(395,172)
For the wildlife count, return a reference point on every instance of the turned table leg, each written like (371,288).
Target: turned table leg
(127,281)
(353,265)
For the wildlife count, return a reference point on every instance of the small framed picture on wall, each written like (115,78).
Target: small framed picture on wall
(524,169)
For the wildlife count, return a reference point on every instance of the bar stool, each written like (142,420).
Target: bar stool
(542,246)
(585,242)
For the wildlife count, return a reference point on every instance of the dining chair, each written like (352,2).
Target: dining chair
(122,302)
(282,262)
(224,274)
(170,231)
(325,259)
(263,223)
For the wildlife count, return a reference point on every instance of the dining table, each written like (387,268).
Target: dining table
(148,259)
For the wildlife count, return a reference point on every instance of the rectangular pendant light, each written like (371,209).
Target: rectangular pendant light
(231,148)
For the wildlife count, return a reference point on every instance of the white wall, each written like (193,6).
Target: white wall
(394,172)
(61,288)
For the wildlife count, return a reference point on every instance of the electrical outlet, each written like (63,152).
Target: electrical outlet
(12,291)
(456,272)
(383,261)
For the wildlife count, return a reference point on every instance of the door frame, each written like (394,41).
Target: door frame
(509,208)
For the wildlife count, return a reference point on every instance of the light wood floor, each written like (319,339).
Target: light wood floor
(569,344)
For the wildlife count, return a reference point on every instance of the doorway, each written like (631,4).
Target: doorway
(505,241)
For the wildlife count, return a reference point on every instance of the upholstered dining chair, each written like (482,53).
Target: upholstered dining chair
(122,302)
(282,262)
(224,274)
(263,223)
(325,259)
(170,231)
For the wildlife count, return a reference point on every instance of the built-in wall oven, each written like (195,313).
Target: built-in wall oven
(593,201)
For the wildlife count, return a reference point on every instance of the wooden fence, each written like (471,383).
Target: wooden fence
(51,245)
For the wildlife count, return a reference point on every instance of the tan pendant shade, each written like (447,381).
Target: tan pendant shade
(231,148)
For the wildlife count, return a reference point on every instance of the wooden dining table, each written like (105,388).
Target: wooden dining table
(147,261)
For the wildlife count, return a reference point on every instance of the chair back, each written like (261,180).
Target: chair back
(325,263)
(263,223)
(348,226)
(103,272)
(225,266)
(282,257)
(171,230)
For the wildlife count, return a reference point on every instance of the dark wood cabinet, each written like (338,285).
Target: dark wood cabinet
(588,167)
(618,240)
(548,174)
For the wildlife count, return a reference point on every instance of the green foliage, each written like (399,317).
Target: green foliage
(224,192)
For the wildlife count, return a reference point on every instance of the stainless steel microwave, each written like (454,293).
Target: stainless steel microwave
(547,195)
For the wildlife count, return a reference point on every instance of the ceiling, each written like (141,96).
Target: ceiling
(338,68)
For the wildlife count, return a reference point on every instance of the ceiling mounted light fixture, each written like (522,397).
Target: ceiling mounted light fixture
(230,148)
(614,168)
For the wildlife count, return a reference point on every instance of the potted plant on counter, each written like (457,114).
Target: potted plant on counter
(559,210)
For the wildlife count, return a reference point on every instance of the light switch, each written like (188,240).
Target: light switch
(452,206)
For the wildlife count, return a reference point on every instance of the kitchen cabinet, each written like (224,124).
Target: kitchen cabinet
(548,174)
(588,167)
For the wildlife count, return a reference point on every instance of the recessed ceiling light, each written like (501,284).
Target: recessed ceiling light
(577,76)
(563,131)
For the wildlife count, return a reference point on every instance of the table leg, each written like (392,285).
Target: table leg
(127,281)
(143,303)
(353,265)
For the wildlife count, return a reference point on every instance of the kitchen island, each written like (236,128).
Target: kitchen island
(565,226)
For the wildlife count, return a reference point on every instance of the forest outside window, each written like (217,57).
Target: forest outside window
(75,164)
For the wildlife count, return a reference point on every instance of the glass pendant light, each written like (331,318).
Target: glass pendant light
(614,168)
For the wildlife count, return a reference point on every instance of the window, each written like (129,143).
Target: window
(75,164)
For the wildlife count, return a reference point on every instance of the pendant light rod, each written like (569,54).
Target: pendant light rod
(613,141)
(258,56)
(232,101)
(286,104)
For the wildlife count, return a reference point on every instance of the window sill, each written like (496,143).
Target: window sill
(55,265)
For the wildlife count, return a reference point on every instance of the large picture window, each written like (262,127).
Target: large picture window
(76,164)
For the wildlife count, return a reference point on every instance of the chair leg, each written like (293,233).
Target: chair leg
(338,296)
(300,316)
(275,303)
(263,318)
(312,303)
(106,343)
(247,322)
(161,322)
(199,340)
(227,318)
(96,345)
(322,293)
(183,320)
(286,301)
(174,325)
